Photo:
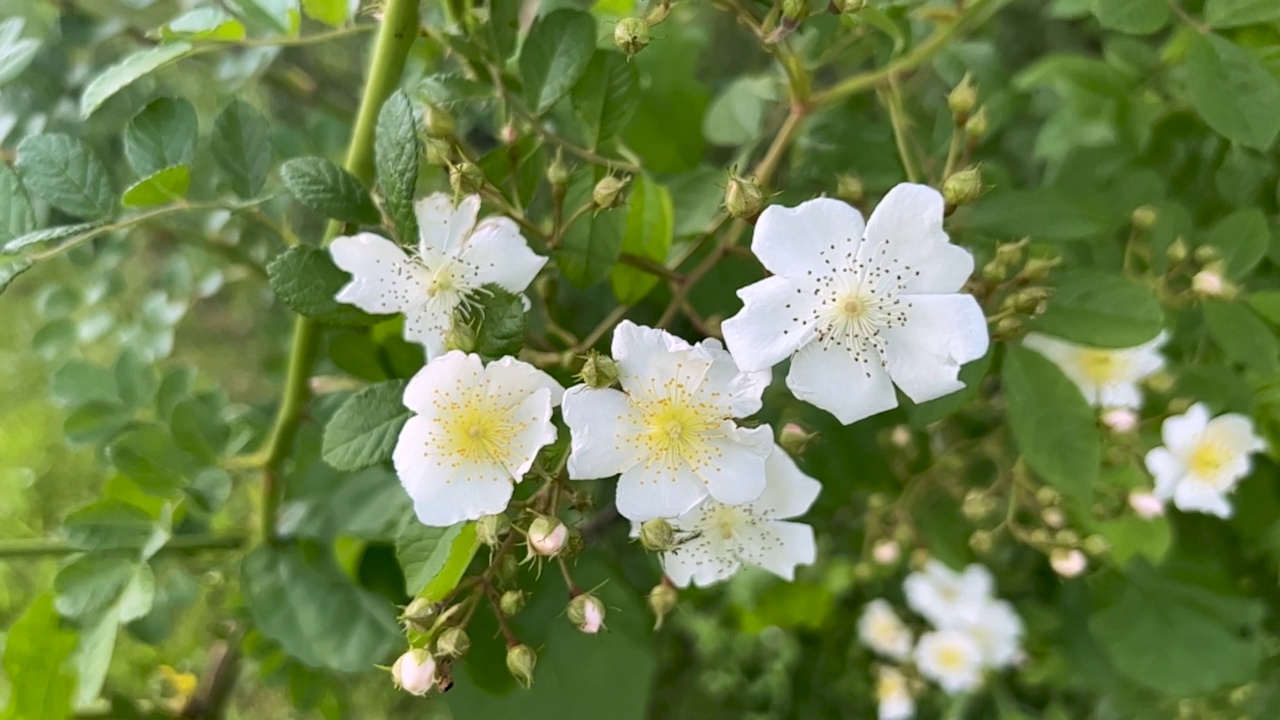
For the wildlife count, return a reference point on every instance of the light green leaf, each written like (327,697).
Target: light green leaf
(11,267)
(79,381)
(160,188)
(605,98)
(1043,213)
(555,56)
(118,76)
(650,220)
(48,235)
(1139,17)
(135,378)
(1234,13)
(736,116)
(242,147)
(1243,336)
(1052,424)
(1242,238)
(1130,536)
(17,217)
(305,278)
(112,525)
(363,432)
(1267,304)
(330,12)
(36,650)
(208,23)
(592,244)
(93,654)
(398,151)
(423,551)
(67,174)
(150,457)
(16,52)
(93,584)
(1100,309)
(1232,91)
(162,135)
(329,190)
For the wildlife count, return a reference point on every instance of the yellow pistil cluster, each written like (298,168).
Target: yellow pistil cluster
(678,428)
(478,431)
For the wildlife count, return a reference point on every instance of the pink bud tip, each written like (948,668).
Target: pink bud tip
(1120,420)
(1146,505)
(1068,563)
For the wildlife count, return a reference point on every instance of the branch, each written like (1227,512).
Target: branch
(57,547)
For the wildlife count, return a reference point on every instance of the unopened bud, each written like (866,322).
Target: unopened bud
(976,127)
(437,151)
(598,371)
(994,271)
(608,192)
(850,7)
(1011,254)
(657,535)
(795,10)
(901,436)
(795,439)
(508,135)
(465,178)
(1028,301)
(963,187)
(453,642)
(490,529)
(521,660)
(886,552)
(662,600)
(511,602)
(980,541)
(438,122)
(420,614)
(1177,251)
(1068,563)
(1095,545)
(1037,268)
(1143,217)
(743,197)
(631,35)
(508,569)
(1067,537)
(1206,254)
(1008,327)
(849,188)
(1146,505)
(547,536)
(1161,382)
(1053,517)
(1120,420)
(1210,283)
(461,336)
(976,505)
(414,672)
(559,172)
(586,612)
(963,99)
(1040,536)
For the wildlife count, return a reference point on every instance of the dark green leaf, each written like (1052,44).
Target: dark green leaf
(329,190)
(398,149)
(1242,238)
(197,429)
(242,147)
(118,76)
(135,378)
(306,279)
(1101,310)
(67,174)
(650,220)
(555,55)
(1140,17)
(1233,13)
(79,381)
(504,26)
(1232,91)
(1042,213)
(1243,336)
(17,218)
(498,320)
(36,650)
(605,98)
(149,456)
(363,432)
(160,188)
(450,91)
(161,136)
(591,245)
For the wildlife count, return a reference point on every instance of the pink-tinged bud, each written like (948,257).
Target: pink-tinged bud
(1068,563)
(1210,283)
(886,552)
(794,439)
(1120,420)
(414,672)
(1053,517)
(586,613)
(547,536)
(900,436)
(1146,505)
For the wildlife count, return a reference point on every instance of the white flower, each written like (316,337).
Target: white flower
(1108,378)
(998,632)
(414,672)
(670,430)
(880,629)
(947,598)
(950,658)
(456,256)
(1068,563)
(860,308)
(893,695)
(475,433)
(1146,505)
(720,538)
(1202,459)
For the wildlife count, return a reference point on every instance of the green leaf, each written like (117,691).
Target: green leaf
(1243,336)
(79,381)
(398,150)
(329,190)
(363,432)
(150,457)
(650,222)
(93,584)
(605,98)
(736,116)
(115,78)
(114,525)
(1044,213)
(1234,13)
(12,267)
(1178,638)
(1130,536)
(330,12)
(789,605)
(16,52)
(93,654)
(1267,304)
(1053,426)
(160,188)
(17,217)
(1232,91)
(1138,17)
(241,146)
(197,428)
(592,244)
(503,27)
(135,378)
(555,56)
(424,551)
(299,597)
(1242,238)
(67,174)
(1100,309)
(48,235)
(36,650)
(498,320)
(306,279)
(162,135)
(208,23)
(450,91)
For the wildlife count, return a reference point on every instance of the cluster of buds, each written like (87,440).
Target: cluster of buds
(422,668)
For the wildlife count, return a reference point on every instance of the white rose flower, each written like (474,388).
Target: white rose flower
(476,431)
(456,256)
(860,309)
(998,632)
(414,672)
(1107,378)
(718,539)
(1202,460)
(950,658)
(893,695)
(880,629)
(670,431)
(947,598)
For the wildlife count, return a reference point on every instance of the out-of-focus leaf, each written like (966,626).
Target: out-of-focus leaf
(1101,310)
(1232,91)
(67,174)
(162,135)
(36,650)
(118,76)
(159,188)
(242,147)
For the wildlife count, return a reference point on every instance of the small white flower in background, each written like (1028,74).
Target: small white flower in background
(951,658)
(1107,378)
(893,695)
(719,539)
(1203,459)
(1120,420)
(476,431)
(456,257)
(998,633)
(947,598)
(886,552)
(1146,505)
(880,629)
(414,672)
(670,431)
(1068,563)
(860,307)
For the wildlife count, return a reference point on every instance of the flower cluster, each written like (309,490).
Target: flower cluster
(970,632)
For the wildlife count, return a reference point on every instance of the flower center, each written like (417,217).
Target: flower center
(1208,459)
(477,431)
(1101,366)
(860,301)
(677,428)
(725,520)
(889,685)
(951,658)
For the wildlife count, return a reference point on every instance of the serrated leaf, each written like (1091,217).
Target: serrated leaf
(208,23)
(36,650)
(48,235)
(329,190)
(160,188)
(1052,424)
(363,432)
(118,76)
(1232,91)
(1139,17)
(150,457)
(162,135)
(449,91)
(423,551)
(17,217)
(241,146)
(305,278)
(67,174)
(398,151)
(1099,309)
(555,55)
(330,12)
(606,96)
(1242,238)
(16,52)
(1243,337)
(593,244)
(1043,213)
(1234,13)
(498,320)
(650,222)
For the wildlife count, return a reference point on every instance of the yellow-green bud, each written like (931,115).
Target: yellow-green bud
(511,602)
(419,614)
(1067,537)
(508,569)
(849,188)
(743,197)
(657,535)
(795,10)
(465,178)
(1011,253)
(1177,251)
(631,35)
(962,99)
(980,541)
(608,192)
(662,600)
(521,660)
(976,126)
(963,187)
(1047,496)
(461,336)
(795,439)
(490,529)
(453,642)
(976,505)
(1028,301)
(850,7)
(559,172)
(1206,254)
(1040,536)
(1008,326)
(1037,268)
(1160,382)
(994,271)
(598,371)
(586,613)
(1144,217)
(438,122)
(1096,545)
(437,151)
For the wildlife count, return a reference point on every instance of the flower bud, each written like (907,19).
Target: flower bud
(1047,496)
(1053,517)
(795,10)
(465,178)
(1177,251)
(508,135)
(490,529)
(547,536)
(743,197)
(508,569)
(1068,563)
(438,122)
(598,371)
(414,672)
(976,505)
(849,188)
(901,436)
(1146,505)
(1120,420)
(608,192)
(1143,217)
(794,439)
(559,172)
(1161,382)
(850,7)
(994,271)
(586,612)
(963,187)
(574,543)
(1206,254)
(521,659)
(461,336)
(981,541)
(657,535)
(976,127)
(1067,537)
(662,600)
(1095,545)
(1037,268)
(453,642)
(511,602)
(1011,254)
(437,151)
(419,614)
(631,35)
(886,552)
(1210,283)
(963,99)
(1008,327)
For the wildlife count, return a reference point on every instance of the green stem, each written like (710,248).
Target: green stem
(57,547)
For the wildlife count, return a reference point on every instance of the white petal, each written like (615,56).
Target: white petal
(499,254)
(737,474)
(702,561)
(652,361)
(906,229)
(443,382)
(1119,395)
(653,490)
(788,492)
(602,426)
(977,582)
(1166,469)
(428,325)
(775,320)
(794,241)
(1181,433)
(739,393)
(1060,352)
(832,380)
(383,279)
(508,374)
(534,413)
(444,493)
(941,333)
(1236,431)
(441,226)
(779,546)
(1191,496)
